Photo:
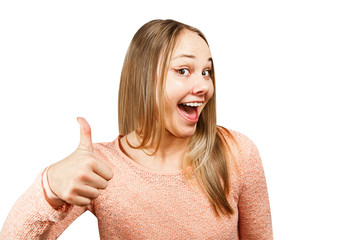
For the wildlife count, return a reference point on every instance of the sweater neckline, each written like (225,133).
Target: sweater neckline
(138,165)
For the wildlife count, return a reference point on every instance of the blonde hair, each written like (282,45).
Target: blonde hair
(143,81)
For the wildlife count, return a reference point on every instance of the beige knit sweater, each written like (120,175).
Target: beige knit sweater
(140,203)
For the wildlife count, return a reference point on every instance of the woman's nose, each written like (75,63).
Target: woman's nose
(201,85)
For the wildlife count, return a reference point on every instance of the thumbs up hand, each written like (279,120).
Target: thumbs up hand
(78,178)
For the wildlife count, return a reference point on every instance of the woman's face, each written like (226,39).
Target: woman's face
(188,84)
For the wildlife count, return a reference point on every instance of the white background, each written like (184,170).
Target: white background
(287,77)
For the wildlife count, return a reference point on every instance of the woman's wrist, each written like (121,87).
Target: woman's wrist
(50,196)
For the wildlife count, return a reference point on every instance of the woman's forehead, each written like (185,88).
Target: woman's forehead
(190,44)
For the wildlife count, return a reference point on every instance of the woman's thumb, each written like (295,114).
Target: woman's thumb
(85,134)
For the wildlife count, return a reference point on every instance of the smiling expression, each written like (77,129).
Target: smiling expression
(188,84)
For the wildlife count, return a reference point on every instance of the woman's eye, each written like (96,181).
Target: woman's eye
(206,73)
(183,71)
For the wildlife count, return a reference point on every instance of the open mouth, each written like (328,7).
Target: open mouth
(189,111)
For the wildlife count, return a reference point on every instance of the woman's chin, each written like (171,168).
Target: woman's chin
(188,133)
(184,131)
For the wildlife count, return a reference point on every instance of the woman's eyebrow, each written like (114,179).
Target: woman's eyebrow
(188,56)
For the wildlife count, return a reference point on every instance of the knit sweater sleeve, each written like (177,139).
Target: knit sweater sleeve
(253,205)
(32,217)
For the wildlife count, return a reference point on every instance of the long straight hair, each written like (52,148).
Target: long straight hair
(142,108)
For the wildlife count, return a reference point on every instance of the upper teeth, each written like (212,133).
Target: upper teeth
(192,104)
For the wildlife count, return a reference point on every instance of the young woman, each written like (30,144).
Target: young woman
(172,173)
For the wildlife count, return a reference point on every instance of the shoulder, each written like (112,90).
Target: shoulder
(107,151)
(103,147)
(237,142)
(243,155)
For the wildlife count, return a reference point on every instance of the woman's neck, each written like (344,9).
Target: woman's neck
(168,158)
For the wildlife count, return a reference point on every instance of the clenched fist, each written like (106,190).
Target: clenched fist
(78,178)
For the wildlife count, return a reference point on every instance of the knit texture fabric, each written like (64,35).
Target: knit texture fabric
(140,203)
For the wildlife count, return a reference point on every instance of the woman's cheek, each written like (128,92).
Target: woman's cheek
(177,87)
(210,92)
(173,91)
